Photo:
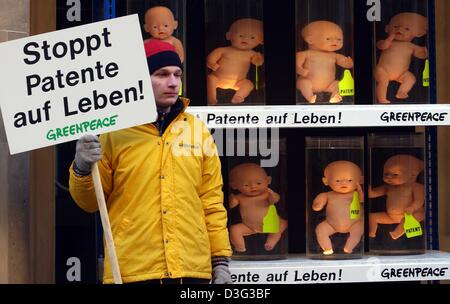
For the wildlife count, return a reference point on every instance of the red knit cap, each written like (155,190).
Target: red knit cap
(160,54)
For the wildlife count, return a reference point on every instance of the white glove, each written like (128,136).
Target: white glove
(220,271)
(88,152)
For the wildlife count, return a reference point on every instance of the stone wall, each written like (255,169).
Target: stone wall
(14,171)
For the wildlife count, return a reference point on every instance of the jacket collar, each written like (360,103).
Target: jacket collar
(164,119)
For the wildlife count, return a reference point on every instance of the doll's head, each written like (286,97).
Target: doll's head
(407,26)
(401,169)
(342,176)
(323,36)
(160,22)
(246,34)
(249,179)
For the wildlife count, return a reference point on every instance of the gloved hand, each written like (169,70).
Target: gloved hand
(88,151)
(220,272)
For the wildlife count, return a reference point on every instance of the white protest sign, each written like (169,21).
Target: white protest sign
(58,86)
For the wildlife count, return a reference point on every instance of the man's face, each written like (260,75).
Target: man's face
(166,84)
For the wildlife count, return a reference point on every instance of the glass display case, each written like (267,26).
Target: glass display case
(206,25)
(324,52)
(396,194)
(401,66)
(234,37)
(163,20)
(334,197)
(257,203)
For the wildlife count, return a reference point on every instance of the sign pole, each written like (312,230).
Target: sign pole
(106,225)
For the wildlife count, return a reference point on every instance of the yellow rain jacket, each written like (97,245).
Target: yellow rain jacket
(164,198)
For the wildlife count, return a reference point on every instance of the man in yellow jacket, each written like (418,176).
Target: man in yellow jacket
(163,188)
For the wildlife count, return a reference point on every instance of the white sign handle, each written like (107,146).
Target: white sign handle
(106,225)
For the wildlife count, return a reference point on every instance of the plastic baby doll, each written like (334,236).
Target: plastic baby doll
(396,54)
(254,199)
(230,65)
(160,24)
(403,194)
(344,179)
(316,67)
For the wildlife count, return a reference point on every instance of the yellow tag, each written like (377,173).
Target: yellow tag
(426,74)
(355,211)
(181,90)
(271,222)
(412,226)
(347,84)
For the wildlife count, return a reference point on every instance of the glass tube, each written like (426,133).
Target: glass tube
(334,197)
(324,52)
(401,65)
(235,54)
(396,191)
(256,202)
(163,20)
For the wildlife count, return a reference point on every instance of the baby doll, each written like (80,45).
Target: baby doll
(160,24)
(403,194)
(344,179)
(316,67)
(254,199)
(396,54)
(230,65)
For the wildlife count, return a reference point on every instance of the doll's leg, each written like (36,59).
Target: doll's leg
(323,233)
(212,82)
(398,231)
(419,214)
(333,88)
(306,88)
(273,238)
(378,218)
(237,233)
(244,88)
(356,231)
(382,79)
(407,81)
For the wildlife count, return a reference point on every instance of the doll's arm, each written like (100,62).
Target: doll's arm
(179,48)
(320,201)
(273,196)
(345,62)
(418,199)
(360,193)
(233,201)
(213,58)
(385,44)
(420,52)
(300,61)
(377,192)
(257,59)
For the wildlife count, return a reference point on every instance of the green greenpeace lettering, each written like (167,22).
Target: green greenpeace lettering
(82,127)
